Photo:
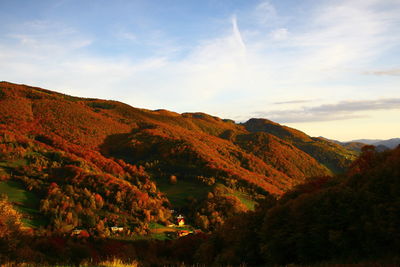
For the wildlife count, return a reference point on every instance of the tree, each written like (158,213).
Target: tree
(173,179)
(10,228)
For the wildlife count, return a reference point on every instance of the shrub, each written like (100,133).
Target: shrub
(101,105)
(2,94)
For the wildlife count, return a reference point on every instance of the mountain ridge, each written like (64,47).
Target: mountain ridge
(389,143)
(200,150)
(357,144)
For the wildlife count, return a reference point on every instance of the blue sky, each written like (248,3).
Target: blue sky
(330,68)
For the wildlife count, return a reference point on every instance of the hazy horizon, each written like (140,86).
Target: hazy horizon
(329,68)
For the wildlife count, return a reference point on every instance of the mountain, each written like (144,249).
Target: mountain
(390,143)
(95,163)
(352,145)
(356,146)
(366,141)
(381,145)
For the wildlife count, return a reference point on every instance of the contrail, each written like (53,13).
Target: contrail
(236,32)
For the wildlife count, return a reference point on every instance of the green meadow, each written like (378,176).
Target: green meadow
(26,202)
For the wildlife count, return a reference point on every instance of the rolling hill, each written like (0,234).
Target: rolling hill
(333,156)
(118,160)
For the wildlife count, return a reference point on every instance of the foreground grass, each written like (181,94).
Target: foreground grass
(119,263)
(107,263)
(114,263)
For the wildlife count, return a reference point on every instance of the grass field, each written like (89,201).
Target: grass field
(13,164)
(243,197)
(160,232)
(3,171)
(26,202)
(178,193)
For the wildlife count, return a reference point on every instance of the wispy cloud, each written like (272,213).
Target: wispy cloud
(389,72)
(343,110)
(280,34)
(41,40)
(259,56)
(127,35)
(292,102)
(350,106)
(266,14)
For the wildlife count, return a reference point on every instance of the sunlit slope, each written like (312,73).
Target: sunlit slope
(106,146)
(333,156)
(92,123)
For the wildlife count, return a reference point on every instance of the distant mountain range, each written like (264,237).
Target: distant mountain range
(381,145)
(389,143)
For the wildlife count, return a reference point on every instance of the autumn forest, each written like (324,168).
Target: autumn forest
(85,181)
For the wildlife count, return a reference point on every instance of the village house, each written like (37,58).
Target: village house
(116,229)
(180,220)
(76,232)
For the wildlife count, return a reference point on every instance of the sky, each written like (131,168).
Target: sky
(329,68)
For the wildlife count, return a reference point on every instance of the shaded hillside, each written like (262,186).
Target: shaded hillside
(355,146)
(348,218)
(331,155)
(201,151)
(352,145)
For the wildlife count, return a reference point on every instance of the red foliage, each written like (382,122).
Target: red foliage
(84,234)
(80,126)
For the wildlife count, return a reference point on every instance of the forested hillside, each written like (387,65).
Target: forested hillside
(347,218)
(333,156)
(95,163)
(264,193)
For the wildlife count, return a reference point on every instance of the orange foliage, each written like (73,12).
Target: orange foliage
(88,155)
(82,126)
